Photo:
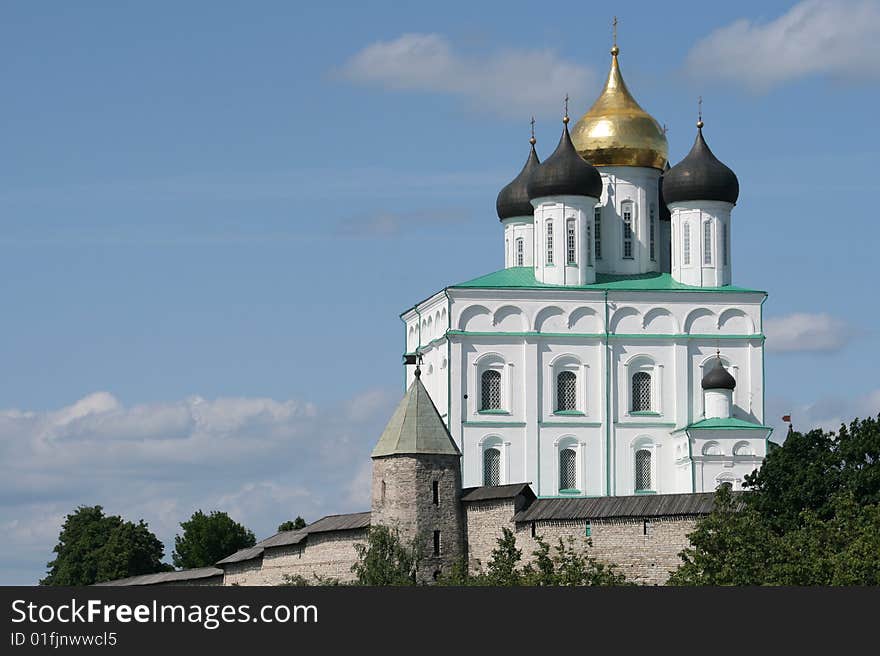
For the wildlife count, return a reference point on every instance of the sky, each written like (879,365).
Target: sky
(212,214)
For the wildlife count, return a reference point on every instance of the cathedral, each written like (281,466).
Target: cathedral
(612,355)
(597,389)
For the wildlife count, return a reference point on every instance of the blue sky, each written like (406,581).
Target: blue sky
(211,215)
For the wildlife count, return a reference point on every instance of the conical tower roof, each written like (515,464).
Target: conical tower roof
(700,176)
(616,131)
(513,200)
(416,427)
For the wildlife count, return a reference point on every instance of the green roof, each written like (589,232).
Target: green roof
(416,427)
(730,423)
(524,277)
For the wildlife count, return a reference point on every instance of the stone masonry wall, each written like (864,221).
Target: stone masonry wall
(327,555)
(645,551)
(484,521)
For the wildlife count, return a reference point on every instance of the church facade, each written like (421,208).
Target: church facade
(578,366)
(597,389)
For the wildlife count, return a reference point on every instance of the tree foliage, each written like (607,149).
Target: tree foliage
(294,525)
(93,547)
(810,516)
(385,559)
(209,538)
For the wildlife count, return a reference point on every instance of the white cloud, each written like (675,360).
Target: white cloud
(806,332)
(262,460)
(510,82)
(839,39)
(827,413)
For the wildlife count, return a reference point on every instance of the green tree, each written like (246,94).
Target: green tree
(502,567)
(93,547)
(810,516)
(294,525)
(385,560)
(209,538)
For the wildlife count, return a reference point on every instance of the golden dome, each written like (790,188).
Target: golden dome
(617,131)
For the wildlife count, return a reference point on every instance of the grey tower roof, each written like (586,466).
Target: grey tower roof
(513,200)
(700,176)
(565,173)
(416,427)
(718,377)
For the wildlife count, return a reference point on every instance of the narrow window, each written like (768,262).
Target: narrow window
(627,232)
(725,243)
(549,242)
(567,470)
(652,230)
(520,252)
(566,391)
(643,470)
(597,220)
(533,529)
(641,392)
(707,242)
(436,491)
(491,390)
(686,240)
(647,525)
(570,243)
(436,543)
(383,491)
(491,467)
(589,246)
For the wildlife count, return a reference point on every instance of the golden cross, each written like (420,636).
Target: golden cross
(614,29)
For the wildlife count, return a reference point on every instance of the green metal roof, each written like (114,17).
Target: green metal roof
(524,277)
(730,423)
(416,428)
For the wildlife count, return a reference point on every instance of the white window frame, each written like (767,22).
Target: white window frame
(707,243)
(646,364)
(548,243)
(597,236)
(571,241)
(644,444)
(497,363)
(686,243)
(628,208)
(570,442)
(725,245)
(495,442)
(652,233)
(520,251)
(568,362)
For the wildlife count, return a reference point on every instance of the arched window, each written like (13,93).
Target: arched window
(492,467)
(549,242)
(491,390)
(686,242)
(589,246)
(597,219)
(652,234)
(641,391)
(643,470)
(520,252)
(566,391)
(567,470)
(570,243)
(628,231)
(707,242)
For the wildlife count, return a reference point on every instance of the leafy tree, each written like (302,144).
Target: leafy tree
(209,538)
(93,547)
(385,560)
(294,525)
(810,516)
(502,567)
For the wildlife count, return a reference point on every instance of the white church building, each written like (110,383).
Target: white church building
(612,355)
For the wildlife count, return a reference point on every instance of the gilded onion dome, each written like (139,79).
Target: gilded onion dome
(616,131)
(513,200)
(564,173)
(700,176)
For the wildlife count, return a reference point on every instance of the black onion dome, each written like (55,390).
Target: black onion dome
(700,176)
(565,173)
(718,378)
(513,200)
(664,208)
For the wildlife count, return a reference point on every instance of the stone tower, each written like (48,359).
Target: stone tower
(417,482)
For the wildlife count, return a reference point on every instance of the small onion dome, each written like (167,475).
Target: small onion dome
(513,200)
(700,176)
(718,378)
(664,208)
(565,173)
